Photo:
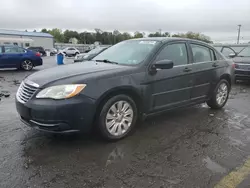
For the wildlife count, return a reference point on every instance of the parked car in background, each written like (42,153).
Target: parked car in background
(88,56)
(241,58)
(38,49)
(130,80)
(51,51)
(20,58)
(71,51)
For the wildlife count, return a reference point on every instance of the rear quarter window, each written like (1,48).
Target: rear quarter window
(219,56)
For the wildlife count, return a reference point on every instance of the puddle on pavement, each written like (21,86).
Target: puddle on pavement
(213,166)
(114,156)
(236,120)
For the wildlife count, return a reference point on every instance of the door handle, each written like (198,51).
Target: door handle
(215,65)
(187,69)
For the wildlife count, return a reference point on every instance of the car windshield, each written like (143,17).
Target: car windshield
(129,52)
(96,50)
(245,52)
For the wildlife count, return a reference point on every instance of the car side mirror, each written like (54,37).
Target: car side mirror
(164,64)
(232,55)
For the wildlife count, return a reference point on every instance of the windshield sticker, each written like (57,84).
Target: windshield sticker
(147,42)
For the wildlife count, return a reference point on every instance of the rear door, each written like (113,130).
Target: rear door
(12,56)
(204,70)
(170,88)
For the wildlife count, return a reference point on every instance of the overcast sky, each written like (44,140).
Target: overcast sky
(217,18)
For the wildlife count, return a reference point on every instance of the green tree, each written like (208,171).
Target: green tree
(192,35)
(57,34)
(44,30)
(138,34)
(68,34)
(158,34)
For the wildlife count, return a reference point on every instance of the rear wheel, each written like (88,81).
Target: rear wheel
(220,95)
(117,117)
(27,65)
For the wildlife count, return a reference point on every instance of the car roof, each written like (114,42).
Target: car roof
(167,39)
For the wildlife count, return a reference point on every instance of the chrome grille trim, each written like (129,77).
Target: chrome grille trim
(25,91)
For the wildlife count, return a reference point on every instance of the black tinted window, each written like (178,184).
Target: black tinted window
(71,49)
(175,52)
(201,53)
(13,49)
(21,50)
(10,49)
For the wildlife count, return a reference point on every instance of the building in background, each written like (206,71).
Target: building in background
(26,39)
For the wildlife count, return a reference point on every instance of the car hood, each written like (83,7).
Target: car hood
(241,60)
(86,69)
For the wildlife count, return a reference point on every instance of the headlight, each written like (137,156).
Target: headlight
(61,91)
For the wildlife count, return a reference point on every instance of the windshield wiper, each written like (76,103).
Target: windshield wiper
(106,61)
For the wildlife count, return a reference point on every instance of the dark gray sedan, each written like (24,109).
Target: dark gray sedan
(240,54)
(129,81)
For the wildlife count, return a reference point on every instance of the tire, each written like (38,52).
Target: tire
(27,65)
(120,123)
(220,95)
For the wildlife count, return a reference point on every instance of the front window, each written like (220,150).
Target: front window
(227,51)
(245,52)
(237,49)
(131,52)
(175,52)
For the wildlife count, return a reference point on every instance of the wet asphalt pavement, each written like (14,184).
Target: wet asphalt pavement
(192,147)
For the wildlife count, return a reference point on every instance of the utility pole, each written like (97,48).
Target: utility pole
(160,31)
(238,38)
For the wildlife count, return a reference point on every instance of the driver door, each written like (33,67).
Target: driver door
(170,88)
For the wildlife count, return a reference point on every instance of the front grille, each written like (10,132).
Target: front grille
(239,72)
(25,92)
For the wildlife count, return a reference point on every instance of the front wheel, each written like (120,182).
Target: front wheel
(220,95)
(117,117)
(27,65)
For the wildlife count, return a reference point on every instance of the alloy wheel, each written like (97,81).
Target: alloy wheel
(27,65)
(222,94)
(119,118)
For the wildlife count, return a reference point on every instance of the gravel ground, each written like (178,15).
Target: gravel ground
(192,147)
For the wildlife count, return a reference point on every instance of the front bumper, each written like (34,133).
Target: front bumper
(58,116)
(242,74)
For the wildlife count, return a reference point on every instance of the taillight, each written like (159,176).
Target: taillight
(38,54)
(233,65)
